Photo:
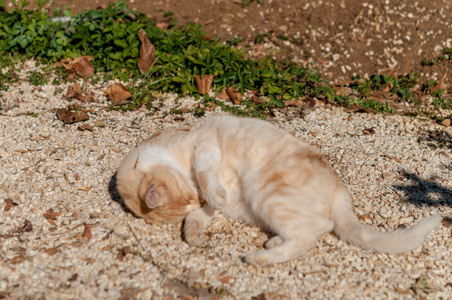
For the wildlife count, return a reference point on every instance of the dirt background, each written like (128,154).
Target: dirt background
(344,38)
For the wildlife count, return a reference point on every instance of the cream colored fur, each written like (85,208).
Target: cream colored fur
(249,169)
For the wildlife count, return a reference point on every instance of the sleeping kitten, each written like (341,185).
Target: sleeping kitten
(249,169)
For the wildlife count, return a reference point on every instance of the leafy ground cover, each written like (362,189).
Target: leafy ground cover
(182,55)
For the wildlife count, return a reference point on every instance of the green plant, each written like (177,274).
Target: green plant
(37,78)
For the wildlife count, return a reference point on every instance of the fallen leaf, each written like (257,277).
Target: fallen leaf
(268,296)
(366,216)
(441,85)
(74,91)
(446,122)
(162,25)
(27,227)
(87,232)
(11,104)
(256,99)
(176,286)
(70,117)
(293,103)
(17,259)
(447,222)
(73,277)
(85,127)
(76,244)
(386,71)
(369,131)
(84,188)
(223,95)
(50,214)
(204,84)
(118,94)
(226,279)
(83,67)
(210,106)
(234,95)
(423,286)
(86,98)
(51,251)
(9,203)
(123,252)
(147,52)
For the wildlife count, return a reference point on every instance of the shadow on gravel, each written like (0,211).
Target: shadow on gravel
(436,139)
(114,194)
(422,192)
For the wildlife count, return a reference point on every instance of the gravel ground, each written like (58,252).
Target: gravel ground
(64,234)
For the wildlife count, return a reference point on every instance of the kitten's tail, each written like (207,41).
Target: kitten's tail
(349,229)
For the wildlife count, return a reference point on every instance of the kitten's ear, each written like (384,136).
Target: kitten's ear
(155,196)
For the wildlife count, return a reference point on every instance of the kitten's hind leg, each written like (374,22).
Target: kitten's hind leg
(273,241)
(207,164)
(195,224)
(291,244)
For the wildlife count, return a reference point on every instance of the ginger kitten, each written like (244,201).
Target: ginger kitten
(252,170)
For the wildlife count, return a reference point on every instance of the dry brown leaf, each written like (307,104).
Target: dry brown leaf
(87,232)
(86,98)
(83,67)
(254,98)
(9,203)
(293,103)
(73,277)
(66,63)
(223,95)
(51,251)
(70,117)
(84,188)
(123,252)
(10,105)
(441,85)
(226,279)
(85,127)
(386,71)
(27,227)
(50,214)
(147,52)
(369,131)
(446,122)
(204,84)
(210,106)
(162,25)
(234,95)
(17,259)
(447,222)
(118,94)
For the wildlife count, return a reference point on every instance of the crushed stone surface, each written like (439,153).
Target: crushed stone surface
(64,233)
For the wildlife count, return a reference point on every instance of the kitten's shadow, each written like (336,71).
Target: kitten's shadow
(425,192)
(114,193)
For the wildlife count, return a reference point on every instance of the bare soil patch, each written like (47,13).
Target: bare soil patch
(345,38)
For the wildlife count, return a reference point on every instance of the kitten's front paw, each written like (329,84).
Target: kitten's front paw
(217,197)
(194,233)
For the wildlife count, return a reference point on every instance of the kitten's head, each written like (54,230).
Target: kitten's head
(154,190)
